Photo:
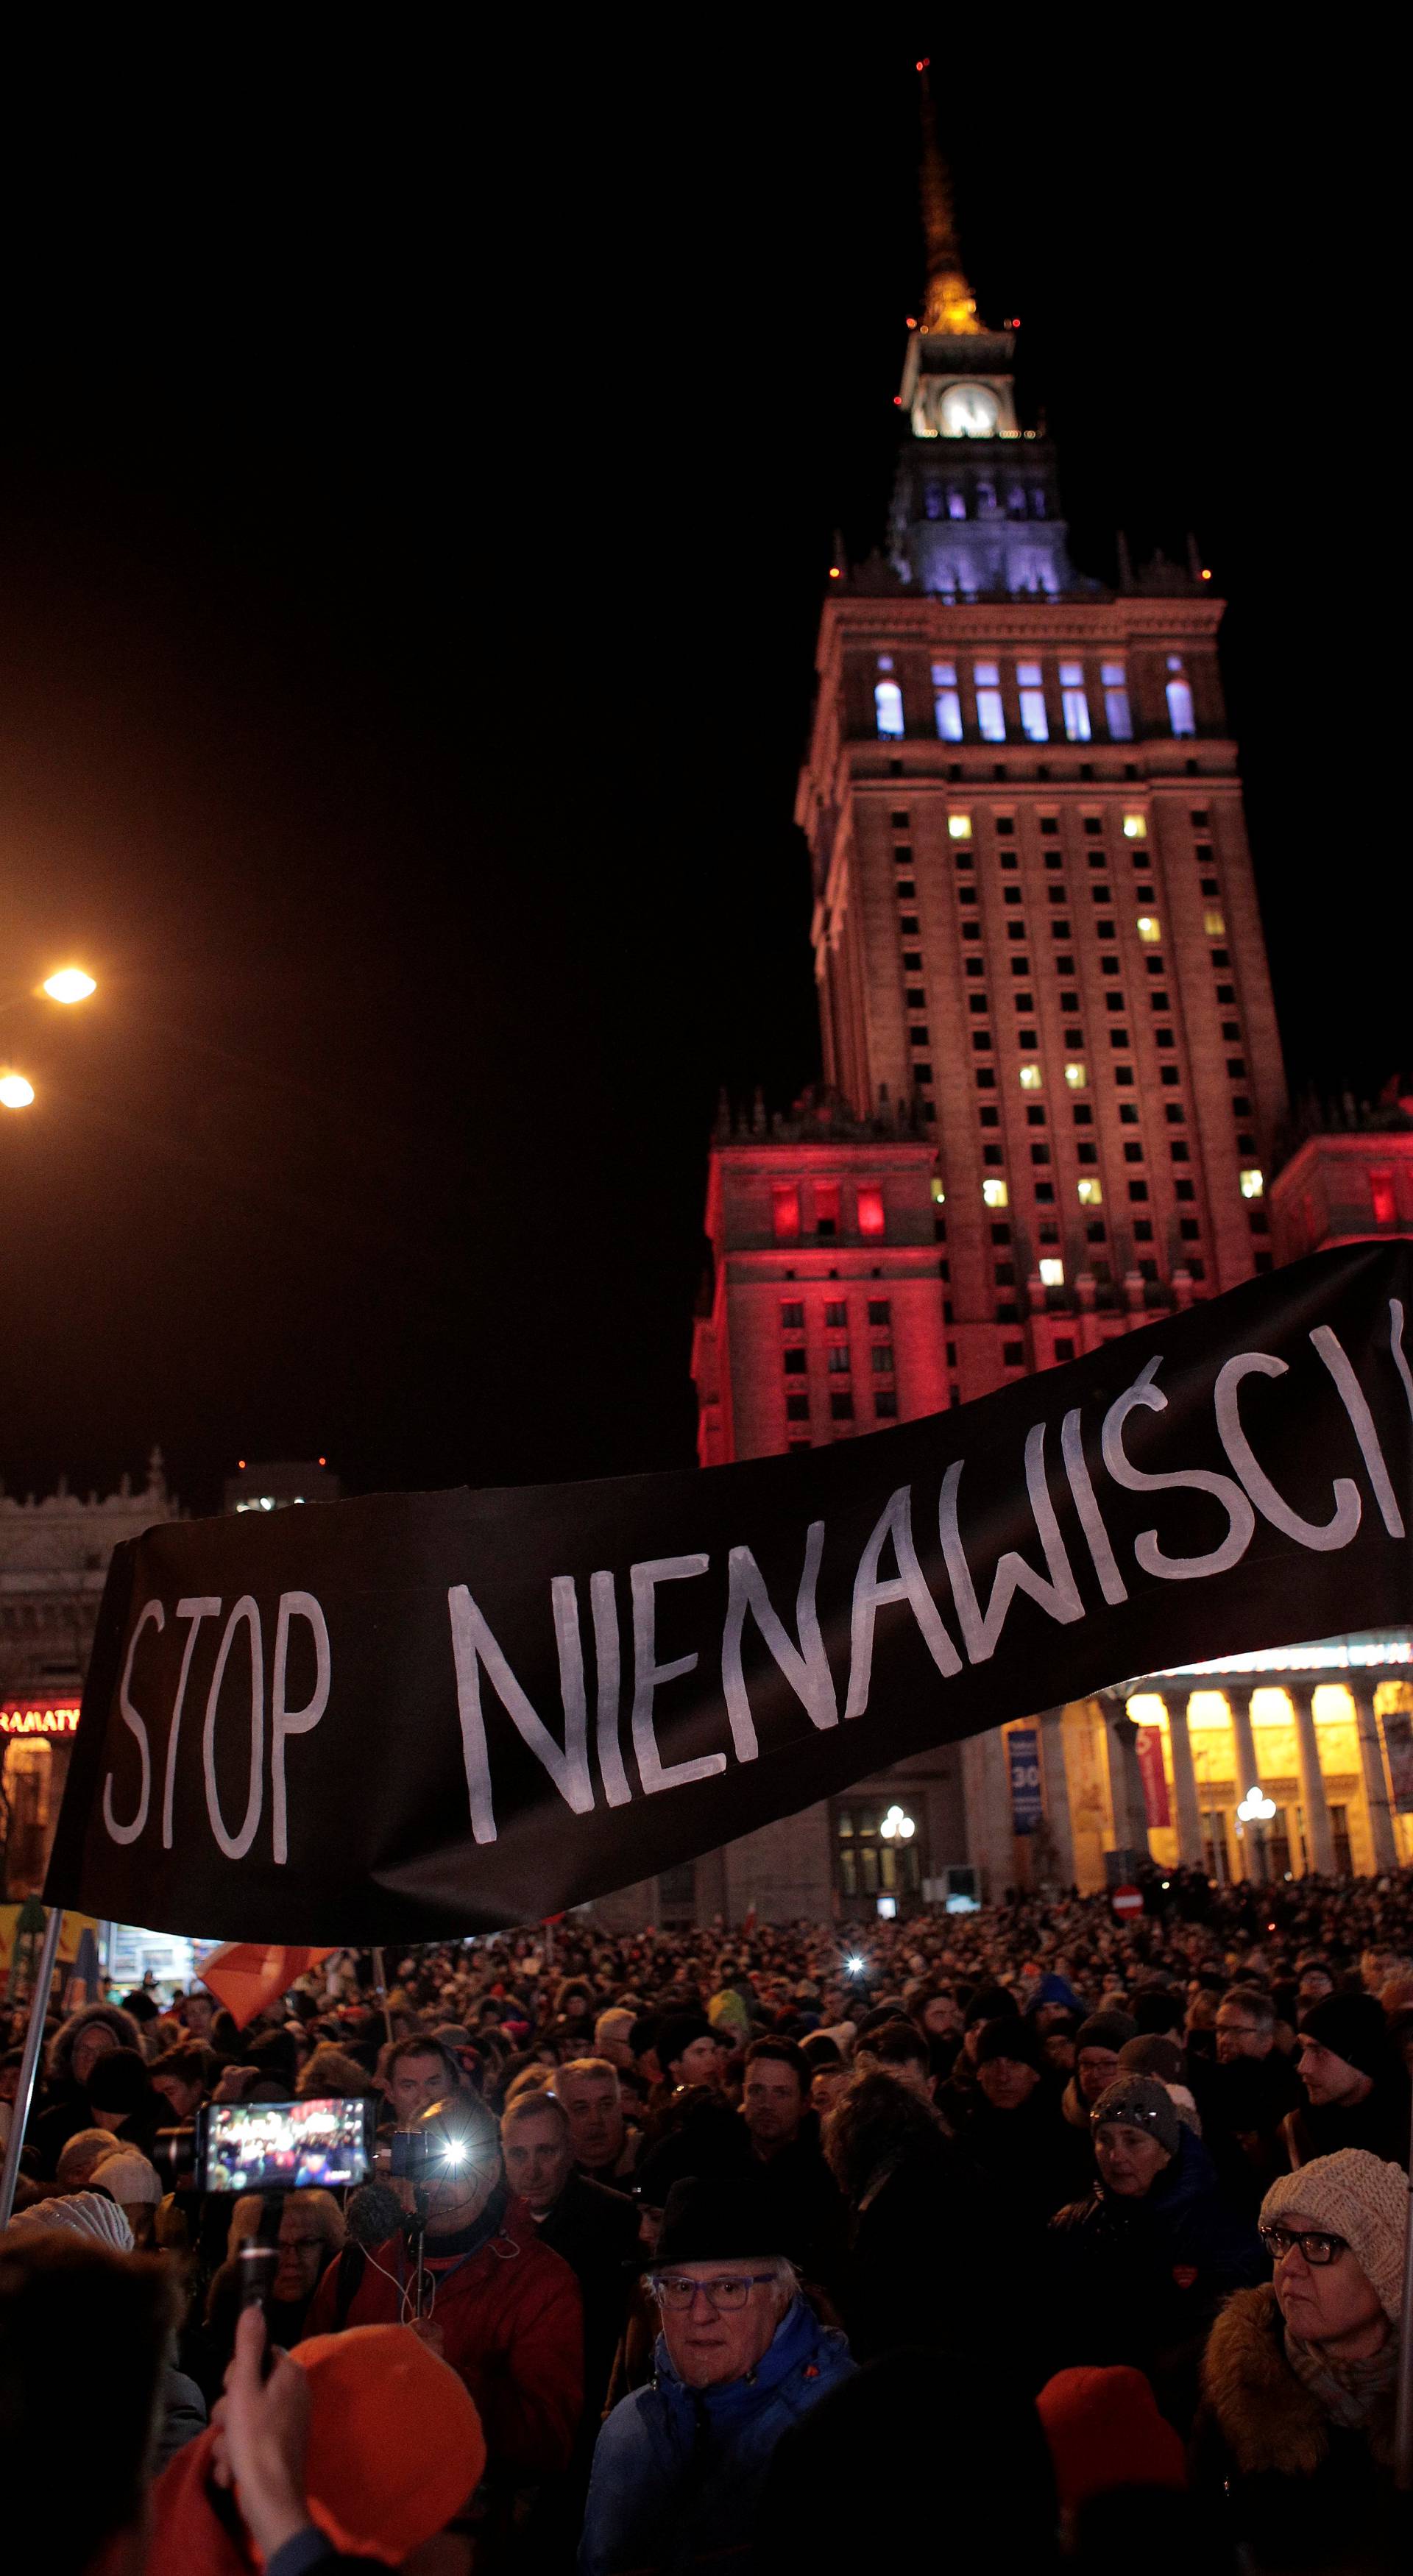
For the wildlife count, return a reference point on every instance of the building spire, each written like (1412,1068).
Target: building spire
(948,305)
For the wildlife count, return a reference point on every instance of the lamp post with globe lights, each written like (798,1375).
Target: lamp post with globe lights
(67,985)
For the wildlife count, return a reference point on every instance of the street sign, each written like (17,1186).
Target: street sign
(1127,1900)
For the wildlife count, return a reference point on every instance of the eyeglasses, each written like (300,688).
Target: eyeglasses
(730,2291)
(1317,2246)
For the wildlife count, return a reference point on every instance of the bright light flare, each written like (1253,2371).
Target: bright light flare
(854,1965)
(70,984)
(15,1092)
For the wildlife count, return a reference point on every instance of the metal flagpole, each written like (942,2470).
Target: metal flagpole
(380,1982)
(38,2006)
(1403,2421)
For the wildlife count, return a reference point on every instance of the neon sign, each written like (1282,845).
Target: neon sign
(39,1717)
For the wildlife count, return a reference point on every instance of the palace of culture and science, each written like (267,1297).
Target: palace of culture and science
(1052,1093)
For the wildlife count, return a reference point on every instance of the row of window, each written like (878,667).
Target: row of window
(1031,706)
(842,1409)
(1135,826)
(836,1314)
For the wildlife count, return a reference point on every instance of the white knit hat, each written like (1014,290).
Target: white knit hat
(1359,2197)
(129,2177)
(84,2213)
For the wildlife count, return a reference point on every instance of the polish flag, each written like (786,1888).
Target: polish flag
(247,1975)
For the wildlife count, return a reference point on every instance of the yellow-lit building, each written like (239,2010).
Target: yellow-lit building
(1252,1766)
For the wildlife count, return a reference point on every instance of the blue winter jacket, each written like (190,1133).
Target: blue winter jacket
(678,2471)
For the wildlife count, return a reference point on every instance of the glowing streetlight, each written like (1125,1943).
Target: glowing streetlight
(70,984)
(15,1092)
(897,1827)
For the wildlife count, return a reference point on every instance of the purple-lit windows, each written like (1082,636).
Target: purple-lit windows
(1035,724)
(888,710)
(1180,714)
(990,714)
(956,504)
(1074,703)
(1117,715)
(946,701)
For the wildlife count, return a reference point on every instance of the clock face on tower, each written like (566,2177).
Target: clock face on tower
(968,411)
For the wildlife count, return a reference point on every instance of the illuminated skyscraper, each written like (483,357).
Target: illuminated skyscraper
(1052,1067)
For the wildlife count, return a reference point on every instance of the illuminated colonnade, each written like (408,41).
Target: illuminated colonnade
(1313,1748)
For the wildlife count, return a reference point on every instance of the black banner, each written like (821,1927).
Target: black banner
(419,1715)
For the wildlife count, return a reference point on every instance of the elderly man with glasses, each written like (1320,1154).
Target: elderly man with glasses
(679,2465)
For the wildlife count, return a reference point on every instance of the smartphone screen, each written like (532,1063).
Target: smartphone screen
(285,2146)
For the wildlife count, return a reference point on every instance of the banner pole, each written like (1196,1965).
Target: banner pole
(38,2006)
(380,1980)
(1403,2420)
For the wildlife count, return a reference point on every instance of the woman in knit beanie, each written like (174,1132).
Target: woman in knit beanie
(1300,2377)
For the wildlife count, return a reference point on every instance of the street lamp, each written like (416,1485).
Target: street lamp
(70,984)
(67,984)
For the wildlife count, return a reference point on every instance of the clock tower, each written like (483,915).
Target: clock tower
(976,504)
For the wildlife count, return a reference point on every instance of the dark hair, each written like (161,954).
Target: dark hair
(61,2295)
(876,2117)
(419,2043)
(820,2050)
(189,2061)
(899,2043)
(782,2052)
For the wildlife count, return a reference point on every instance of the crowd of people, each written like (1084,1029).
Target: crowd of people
(1028,2231)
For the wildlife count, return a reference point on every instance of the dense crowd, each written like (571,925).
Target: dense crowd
(1029,2233)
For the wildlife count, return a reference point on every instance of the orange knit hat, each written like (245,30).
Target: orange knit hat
(395,2442)
(395,2449)
(1104,2430)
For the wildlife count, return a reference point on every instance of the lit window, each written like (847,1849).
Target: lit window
(995,1194)
(959,827)
(1253,1183)
(990,714)
(787,1211)
(1074,703)
(1077,1076)
(870,1211)
(939,1195)
(1090,1194)
(1135,827)
(1382,1196)
(888,709)
(1035,724)
(885,661)
(1180,715)
(1150,929)
(946,701)
(1116,707)
(1214,923)
(1030,1077)
(1052,1274)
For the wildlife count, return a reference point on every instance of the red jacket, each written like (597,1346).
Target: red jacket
(512,2325)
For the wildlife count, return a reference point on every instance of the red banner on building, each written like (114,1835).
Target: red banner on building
(1154,1777)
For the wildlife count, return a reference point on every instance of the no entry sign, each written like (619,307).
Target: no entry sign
(1128,1900)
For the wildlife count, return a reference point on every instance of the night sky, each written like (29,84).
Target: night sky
(417,478)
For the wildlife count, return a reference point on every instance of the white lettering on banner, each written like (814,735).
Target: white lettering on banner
(1241,1519)
(806,1666)
(195,1608)
(1059,1596)
(1351,1396)
(604,1612)
(1111,1582)
(293,1721)
(648,1674)
(235,1846)
(129,1833)
(1322,1536)
(473,1645)
(873,1592)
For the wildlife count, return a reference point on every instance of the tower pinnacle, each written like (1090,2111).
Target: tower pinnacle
(949,305)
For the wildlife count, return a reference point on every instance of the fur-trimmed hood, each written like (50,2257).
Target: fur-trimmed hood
(1269,2420)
